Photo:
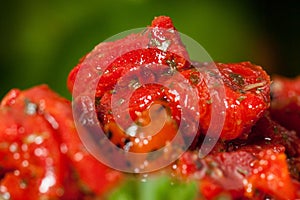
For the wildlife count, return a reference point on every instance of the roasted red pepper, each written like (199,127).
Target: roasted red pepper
(252,173)
(32,165)
(285,107)
(41,149)
(246,88)
(256,157)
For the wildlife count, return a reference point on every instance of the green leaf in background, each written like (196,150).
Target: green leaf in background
(158,188)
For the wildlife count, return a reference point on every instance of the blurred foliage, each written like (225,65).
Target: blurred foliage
(158,188)
(42,40)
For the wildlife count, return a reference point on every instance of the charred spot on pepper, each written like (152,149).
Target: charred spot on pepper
(126,141)
(97,101)
(109,134)
(127,144)
(198,164)
(272,96)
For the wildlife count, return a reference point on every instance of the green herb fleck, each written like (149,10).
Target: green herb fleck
(241,98)
(237,78)
(97,101)
(134,83)
(194,79)
(172,63)
(275,129)
(121,101)
(209,101)
(113,91)
(285,137)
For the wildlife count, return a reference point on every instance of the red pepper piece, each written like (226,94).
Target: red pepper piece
(84,163)
(270,174)
(251,173)
(56,112)
(285,105)
(32,166)
(246,100)
(218,173)
(159,44)
(246,96)
(246,85)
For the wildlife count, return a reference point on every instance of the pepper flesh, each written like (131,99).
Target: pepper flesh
(246,85)
(39,124)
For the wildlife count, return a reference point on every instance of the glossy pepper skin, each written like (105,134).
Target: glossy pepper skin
(251,173)
(246,86)
(41,153)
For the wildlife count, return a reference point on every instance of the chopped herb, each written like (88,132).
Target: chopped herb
(113,91)
(254,85)
(213,164)
(121,101)
(213,74)
(23,183)
(242,171)
(285,137)
(198,164)
(237,78)
(172,63)
(242,91)
(97,101)
(154,43)
(171,85)
(194,79)
(241,98)
(275,129)
(209,101)
(134,83)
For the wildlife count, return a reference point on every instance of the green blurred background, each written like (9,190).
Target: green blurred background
(41,41)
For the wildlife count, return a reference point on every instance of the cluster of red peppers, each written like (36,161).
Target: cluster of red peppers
(256,157)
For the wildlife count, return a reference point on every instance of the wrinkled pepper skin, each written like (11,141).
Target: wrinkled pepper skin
(251,173)
(41,151)
(246,87)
